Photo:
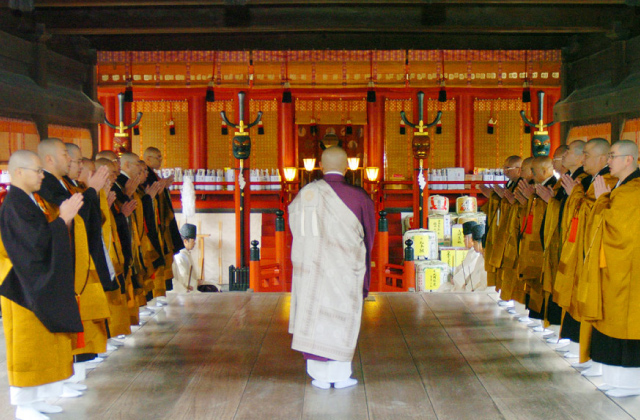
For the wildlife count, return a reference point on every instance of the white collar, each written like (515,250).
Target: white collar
(125,174)
(334,173)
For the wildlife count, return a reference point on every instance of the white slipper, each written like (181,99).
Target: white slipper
(569,355)
(45,408)
(320,384)
(27,412)
(585,365)
(76,386)
(623,392)
(67,392)
(345,384)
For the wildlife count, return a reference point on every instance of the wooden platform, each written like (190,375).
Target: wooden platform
(424,356)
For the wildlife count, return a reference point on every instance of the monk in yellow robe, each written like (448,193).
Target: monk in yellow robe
(39,309)
(119,322)
(530,249)
(92,275)
(495,208)
(572,160)
(166,217)
(575,217)
(609,287)
(147,256)
(511,285)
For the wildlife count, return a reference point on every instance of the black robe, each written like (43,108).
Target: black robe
(42,277)
(55,193)
(176,238)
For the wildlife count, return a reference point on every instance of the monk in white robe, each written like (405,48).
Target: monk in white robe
(333,227)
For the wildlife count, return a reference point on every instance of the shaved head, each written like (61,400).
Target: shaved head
(542,168)
(153,157)
(595,155)
(22,158)
(626,147)
(73,150)
(129,163)
(334,159)
(107,154)
(525,169)
(54,156)
(623,159)
(113,171)
(557,159)
(110,155)
(574,158)
(599,145)
(515,161)
(25,167)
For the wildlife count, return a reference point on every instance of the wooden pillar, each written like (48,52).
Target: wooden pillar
(281,249)
(197,132)
(374,148)
(254,267)
(554,130)
(286,133)
(110,105)
(464,132)
(242,199)
(382,239)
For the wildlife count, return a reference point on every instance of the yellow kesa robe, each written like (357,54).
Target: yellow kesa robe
(531,253)
(94,310)
(512,287)
(32,363)
(554,235)
(153,279)
(166,216)
(609,289)
(491,209)
(570,266)
(119,322)
(499,240)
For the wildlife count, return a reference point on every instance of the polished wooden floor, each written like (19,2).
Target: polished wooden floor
(424,356)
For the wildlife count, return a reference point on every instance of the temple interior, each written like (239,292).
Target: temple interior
(479,79)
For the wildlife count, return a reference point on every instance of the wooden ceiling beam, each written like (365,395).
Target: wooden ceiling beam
(254,3)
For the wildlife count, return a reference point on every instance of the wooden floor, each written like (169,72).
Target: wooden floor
(424,356)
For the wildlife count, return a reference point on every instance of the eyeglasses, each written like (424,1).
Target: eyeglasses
(39,171)
(612,156)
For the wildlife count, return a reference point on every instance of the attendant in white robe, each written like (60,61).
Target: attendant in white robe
(471,274)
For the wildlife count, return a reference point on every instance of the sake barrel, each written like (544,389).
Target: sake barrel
(425,243)
(466,205)
(438,204)
(431,275)
(467,218)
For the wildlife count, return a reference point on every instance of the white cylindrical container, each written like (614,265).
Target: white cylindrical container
(230,176)
(438,204)
(466,205)
(425,243)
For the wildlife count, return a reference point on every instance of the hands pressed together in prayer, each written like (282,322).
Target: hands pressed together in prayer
(568,183)
(500,190)
(130,187)
(154,188)
(526,189)
(99,178)
(545,193)
(111,197)
(486,191)
(600,187)
(70,207)
(510,196)
(128,208)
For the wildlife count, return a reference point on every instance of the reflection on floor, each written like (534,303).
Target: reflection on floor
(431,356)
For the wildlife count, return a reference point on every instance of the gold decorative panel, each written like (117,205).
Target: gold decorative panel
(331,111)
(591,131)
(17,135)
(631,131)
(154,131)
(508,138)
(264,148)
(78,136)
(398,157)
(443,146)
(219,154)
